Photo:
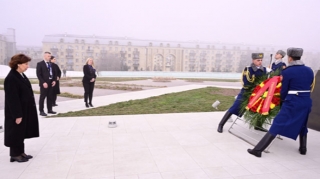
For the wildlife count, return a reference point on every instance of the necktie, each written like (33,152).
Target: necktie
(49,69)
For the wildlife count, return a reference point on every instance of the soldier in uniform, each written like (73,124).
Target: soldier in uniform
(248,77)
(291,121)
(279,64)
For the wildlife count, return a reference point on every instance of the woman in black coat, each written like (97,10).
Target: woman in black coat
(88,81)
(56,88)
(21,118)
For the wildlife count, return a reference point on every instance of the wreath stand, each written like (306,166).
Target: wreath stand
(245,137)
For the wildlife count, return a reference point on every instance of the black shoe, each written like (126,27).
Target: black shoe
(87,105)
(52,112)
(90,105)
(262,145)
(260,129)
(223,121)
(18,159)
(53,105)
(26,156)
(303,144)
(43,114)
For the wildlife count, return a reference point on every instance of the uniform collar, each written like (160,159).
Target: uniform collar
(278,61)
(295,62)
(255,68)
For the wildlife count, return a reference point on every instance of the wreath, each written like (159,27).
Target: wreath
(261,99)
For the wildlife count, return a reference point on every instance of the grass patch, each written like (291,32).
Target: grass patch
(117,79)
(208,79)
(69,95)
(198,100)
(32,81)
(66,94)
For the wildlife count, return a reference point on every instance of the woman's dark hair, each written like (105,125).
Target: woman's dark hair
(52,57)
(18,59)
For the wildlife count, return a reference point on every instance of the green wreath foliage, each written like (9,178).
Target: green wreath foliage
(254,118)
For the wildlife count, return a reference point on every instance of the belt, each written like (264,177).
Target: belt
(296,92)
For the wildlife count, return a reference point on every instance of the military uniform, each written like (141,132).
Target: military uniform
(248,76)
(291,121)
(279,64)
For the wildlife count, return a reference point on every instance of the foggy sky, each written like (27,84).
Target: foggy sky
(270,22)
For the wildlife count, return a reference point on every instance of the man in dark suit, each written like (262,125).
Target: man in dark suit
(56,88)
(47,80)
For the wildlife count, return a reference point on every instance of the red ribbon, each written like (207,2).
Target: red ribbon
(271,86)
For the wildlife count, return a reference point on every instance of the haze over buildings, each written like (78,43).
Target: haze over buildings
(263,24)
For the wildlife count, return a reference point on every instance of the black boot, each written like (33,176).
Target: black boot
(87,105)
(223,121)
(262,145)
(303,144)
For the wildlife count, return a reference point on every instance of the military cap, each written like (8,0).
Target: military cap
(295,52)
(282,53)
(257,55)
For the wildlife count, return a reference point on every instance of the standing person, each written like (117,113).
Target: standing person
(291,121)
(56,88)
(20,114)
(47,80)
(279,64)
(248,77)
(88,81)
(64,72)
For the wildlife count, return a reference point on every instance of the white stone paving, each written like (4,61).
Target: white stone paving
(153,146)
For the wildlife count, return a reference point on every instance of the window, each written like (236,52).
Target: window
(110,42)
(61,47)
(82,47)
(110,48)
(77,47)
(116,48)
(77,60)
(97,54)
(129,49)
(76,54)
(129,55)
(61,53)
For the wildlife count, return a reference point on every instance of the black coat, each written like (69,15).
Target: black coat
(43,73)
(56,88)
(88,74)
(19,102)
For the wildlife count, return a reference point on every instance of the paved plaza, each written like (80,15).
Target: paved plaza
(153,146)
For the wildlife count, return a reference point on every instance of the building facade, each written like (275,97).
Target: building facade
(7,46)
(35,53)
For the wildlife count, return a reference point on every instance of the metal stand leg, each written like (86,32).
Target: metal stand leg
(246,137)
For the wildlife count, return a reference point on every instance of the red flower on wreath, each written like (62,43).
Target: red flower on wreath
(259,102)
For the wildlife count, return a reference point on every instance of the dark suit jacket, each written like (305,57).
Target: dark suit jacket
(57,71)
(19,102)
(88,74)
(43,73)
